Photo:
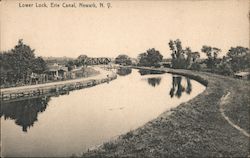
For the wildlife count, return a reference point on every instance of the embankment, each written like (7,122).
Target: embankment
(196,128)
(47,88)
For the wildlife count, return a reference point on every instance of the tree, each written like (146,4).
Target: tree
(70,65)
(23,57)
(18,64)
(7,72)
(191,59)
(81,60)
(39,65)
(195,56)
(150,58)
(180,58)
(142,58)
(176,48)
(224,68)
(212,54)
(239,58)
(123,60)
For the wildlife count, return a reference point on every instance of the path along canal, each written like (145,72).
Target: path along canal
(72,123)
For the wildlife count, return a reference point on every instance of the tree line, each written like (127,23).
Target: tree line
(17,64)
(236,59)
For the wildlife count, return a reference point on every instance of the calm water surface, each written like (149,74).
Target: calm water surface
(72,123)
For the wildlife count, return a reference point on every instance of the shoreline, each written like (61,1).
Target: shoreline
(46,88)
(195,128)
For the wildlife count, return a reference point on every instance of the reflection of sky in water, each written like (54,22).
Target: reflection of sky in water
(60,126)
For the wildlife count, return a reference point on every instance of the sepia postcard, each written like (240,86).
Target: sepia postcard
(127,78)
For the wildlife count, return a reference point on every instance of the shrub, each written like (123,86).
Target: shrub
(195,66)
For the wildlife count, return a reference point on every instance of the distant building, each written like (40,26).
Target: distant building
(243,75)
(37,78)
(77,72)
(166,64)
(56,71)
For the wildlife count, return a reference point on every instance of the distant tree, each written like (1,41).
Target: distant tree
(81,60)
(150,58)
(70,65)
(123,60)
(189,57)
(178,58)
(181,58)
(194,65)
(142,58)
(39,65)
(224,68)
(23,57)
(195,56)
(176,48)
(212,54)
(239,58)
(18,64)
(7,72)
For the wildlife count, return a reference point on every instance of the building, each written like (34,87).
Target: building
(166,64)
(57,72)
(77,72)
(242,75)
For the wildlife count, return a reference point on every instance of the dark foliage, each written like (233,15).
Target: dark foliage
(123,60)
(150,58)
(17,64)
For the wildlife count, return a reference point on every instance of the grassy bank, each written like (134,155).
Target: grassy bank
(193,129)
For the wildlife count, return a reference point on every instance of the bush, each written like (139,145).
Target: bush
(195,66)
(224,69)
(157,65)
(109,146)
(150,58)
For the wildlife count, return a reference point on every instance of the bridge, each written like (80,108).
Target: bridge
(97,61)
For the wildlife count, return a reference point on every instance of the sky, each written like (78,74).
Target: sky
(129,27)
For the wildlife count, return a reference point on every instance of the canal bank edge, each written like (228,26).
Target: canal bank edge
(193,129)
(41,90)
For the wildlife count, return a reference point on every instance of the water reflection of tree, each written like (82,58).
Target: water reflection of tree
(148,72)
(123,71)
(154,81)
(178,88)
(189,86)
(24,112)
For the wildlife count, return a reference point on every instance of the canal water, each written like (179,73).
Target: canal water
(69,124)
